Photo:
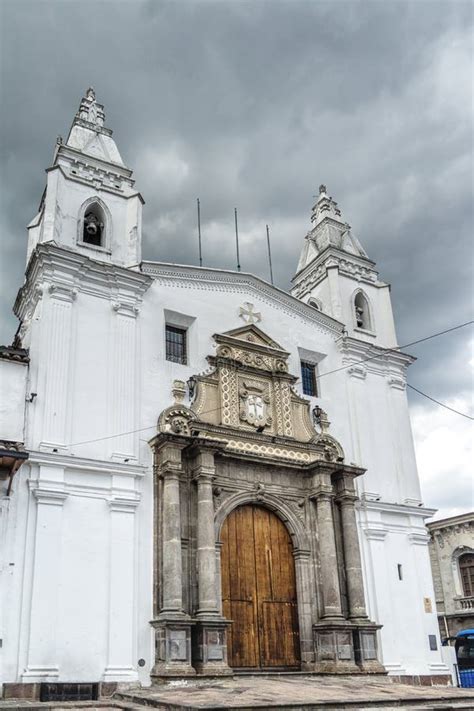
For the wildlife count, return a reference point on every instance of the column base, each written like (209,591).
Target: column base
(209,648)
(346,647)
(172,646)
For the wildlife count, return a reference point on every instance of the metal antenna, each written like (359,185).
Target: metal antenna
(199,231)
(237,239)
(269,254)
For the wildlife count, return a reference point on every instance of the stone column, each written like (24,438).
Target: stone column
(352,559)
(210,647)
(331,593)
(333,639)
(171,578)
(173,625)
(206,547)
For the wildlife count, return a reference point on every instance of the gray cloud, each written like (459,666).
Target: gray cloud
(253,105)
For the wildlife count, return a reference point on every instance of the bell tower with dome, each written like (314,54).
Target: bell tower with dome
(90,204)
(336,276)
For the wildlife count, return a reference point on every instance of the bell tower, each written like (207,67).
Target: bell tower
(90,204)
(336,276)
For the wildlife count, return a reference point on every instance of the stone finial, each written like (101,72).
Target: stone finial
(90,110)
(178,391)
(322,188)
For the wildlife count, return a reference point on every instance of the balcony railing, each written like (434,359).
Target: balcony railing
(467,603)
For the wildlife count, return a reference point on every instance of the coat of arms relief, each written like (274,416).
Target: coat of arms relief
(255,403)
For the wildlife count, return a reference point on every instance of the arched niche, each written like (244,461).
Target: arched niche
(362,311)
(94,226)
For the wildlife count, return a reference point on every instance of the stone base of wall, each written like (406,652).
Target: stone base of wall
(422,679)
(31,692)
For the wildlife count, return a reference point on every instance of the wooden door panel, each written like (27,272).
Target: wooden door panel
(280,641)
(259,589)
(243,644)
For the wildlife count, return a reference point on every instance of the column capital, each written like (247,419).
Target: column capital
(322,493)
(51,497)
(347,499)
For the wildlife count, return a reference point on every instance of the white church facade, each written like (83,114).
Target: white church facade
(174,499)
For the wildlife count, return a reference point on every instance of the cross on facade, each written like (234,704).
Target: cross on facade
(247,313)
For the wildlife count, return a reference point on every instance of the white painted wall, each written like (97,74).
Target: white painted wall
(81,531)
(13,381)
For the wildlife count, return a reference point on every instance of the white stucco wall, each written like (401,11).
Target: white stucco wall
(13,380)
(80,592)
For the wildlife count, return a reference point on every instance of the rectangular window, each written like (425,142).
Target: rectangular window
(308,378)
(176,344)
(400,571)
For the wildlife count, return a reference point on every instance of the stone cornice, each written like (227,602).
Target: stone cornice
(383,361)
(388,507)
(65,269)
(66,151)
(354,266)
(227,280)
(104,466)
(452,522)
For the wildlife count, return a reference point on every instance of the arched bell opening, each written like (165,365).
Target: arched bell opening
(94,224)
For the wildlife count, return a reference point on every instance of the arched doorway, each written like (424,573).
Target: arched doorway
(259,590)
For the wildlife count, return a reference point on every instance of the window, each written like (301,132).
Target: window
(400,571)
(176,344)
(466,569)
(316,304)
(93,227)
(308,378)
(362,312)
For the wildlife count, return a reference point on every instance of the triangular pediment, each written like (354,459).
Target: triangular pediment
(251,334)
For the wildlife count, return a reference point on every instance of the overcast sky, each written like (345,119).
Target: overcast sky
(253,105)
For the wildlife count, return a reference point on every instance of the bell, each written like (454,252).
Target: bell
(91,228)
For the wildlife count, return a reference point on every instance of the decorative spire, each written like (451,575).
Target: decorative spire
(328,229)
(325,207)
(90,111)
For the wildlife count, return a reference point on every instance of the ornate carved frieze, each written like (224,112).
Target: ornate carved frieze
(247,404)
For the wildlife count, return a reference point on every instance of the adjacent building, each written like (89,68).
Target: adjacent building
(201,471)
(452,562)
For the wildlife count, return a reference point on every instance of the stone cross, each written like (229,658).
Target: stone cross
(247,313)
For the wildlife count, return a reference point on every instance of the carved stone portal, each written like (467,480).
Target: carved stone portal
(248,440)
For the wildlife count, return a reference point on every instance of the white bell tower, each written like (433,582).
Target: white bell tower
(336,276)
(90,204)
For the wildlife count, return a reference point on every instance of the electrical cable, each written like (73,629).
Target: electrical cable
(397,349)
(463,414)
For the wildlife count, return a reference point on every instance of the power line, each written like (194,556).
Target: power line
(329,372)
(123,434)
(385,351)
(463,414)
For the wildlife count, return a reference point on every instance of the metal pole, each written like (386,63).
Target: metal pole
(269,254)
(199,231)
(237,239)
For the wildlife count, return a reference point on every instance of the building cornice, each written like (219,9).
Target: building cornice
(70,461)
(452,522)
(388,507)
(227,280)
(390,362)
(354,266)
(62,268)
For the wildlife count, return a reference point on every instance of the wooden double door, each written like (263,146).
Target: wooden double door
(259,590)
